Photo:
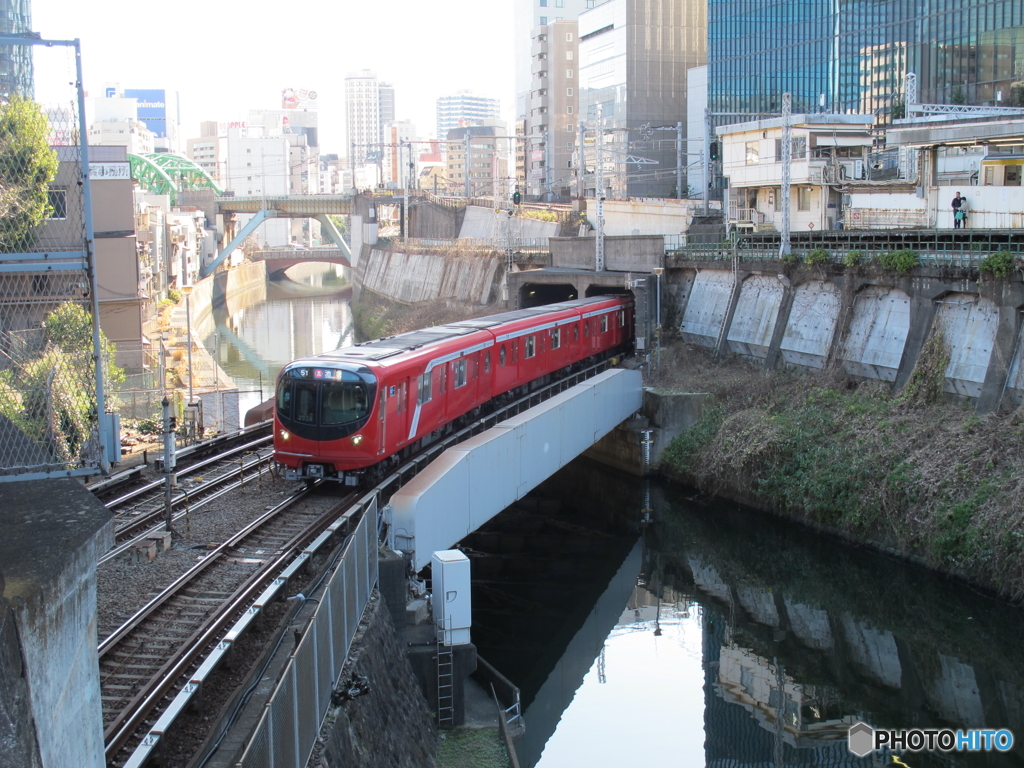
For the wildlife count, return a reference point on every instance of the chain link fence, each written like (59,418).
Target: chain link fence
(49,399)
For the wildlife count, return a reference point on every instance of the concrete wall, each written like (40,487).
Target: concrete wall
(434,222)
(54,533)
(416,277)
(479,223)
(649,216)
(634,253)
(874,326)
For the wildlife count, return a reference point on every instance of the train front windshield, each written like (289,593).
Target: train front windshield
(323,401)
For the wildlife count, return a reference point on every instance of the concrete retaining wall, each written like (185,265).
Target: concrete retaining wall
(479,224)
(50,713)
(874,326)
(412,278)
(631,253)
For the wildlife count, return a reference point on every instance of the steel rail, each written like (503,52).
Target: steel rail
(209,489)
(167,677)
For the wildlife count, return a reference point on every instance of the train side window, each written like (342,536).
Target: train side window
(487,362)
(403,396)
(586,328)
(501,356)
(576,332)
(460,373)
(530,347)
(442,378)
(622,318)
(556,338)
(515,351)
(604,323)
(425,393)
(284,399)
(475,369)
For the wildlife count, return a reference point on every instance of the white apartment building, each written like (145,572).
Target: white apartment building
(369,104)
(550,130)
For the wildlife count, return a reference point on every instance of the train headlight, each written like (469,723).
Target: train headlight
(285,435)
(356,439)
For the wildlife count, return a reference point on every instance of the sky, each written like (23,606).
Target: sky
(225,58)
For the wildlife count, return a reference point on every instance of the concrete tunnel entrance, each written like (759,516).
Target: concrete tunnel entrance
(536,294)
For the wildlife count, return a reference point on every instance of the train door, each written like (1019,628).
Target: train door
(382,418)
(402,422)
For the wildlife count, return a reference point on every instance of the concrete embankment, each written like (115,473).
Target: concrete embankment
(412,278)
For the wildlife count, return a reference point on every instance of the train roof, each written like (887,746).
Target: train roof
(381,349)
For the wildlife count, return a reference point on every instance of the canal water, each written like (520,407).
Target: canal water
(650,625)
(699,633)
(300,317)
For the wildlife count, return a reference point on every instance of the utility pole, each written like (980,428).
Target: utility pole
(468,163)
(787,157)
(599,193)
(679,160)
(581,164)
(706,161)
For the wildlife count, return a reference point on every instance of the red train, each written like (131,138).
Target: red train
(360,410)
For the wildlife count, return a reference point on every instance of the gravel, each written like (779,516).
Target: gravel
(125,584)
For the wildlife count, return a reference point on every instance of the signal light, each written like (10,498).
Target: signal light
(713,152)
(516,198)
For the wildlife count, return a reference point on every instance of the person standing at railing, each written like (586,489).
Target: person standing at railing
(962,213)
(956,204)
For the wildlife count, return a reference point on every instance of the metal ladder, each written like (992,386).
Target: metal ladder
(445,682)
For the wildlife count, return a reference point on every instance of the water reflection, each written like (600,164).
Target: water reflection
(721,637)
(253,342)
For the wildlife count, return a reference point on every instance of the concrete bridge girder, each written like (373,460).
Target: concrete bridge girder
(472,482)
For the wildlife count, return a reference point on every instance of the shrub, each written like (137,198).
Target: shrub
(790,259)
(999,264)
(173,294)
(899,261)
(853,258)
(817,257)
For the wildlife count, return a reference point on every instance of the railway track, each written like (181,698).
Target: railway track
(153,654)
(144,509)
(150,662)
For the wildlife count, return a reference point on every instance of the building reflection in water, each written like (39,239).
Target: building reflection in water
(761,640)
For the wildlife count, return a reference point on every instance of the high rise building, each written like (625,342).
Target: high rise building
(16,63)
(550,130)
(362,116)
(464,108)
(158,109)
(387,103)
(477,159)
(854,57)
(528,15)
(633,60)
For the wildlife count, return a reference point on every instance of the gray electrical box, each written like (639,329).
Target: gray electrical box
(452,607)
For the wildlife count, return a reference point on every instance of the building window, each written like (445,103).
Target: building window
(559,3)
(57,200)
(568,110)
(568,91)
(568,55)
(568,37)
(543,21)
(568,73)
(753,153)
(570,128)
(543,3)
(803,198)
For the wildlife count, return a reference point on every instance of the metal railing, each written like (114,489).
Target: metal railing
(290,723)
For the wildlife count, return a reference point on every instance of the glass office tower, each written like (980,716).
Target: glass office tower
(16,60)
(852,55)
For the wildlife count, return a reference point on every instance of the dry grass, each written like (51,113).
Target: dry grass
(916,472)
(376,317)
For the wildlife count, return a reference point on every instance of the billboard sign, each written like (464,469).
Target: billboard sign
(152,108)
(298,98)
